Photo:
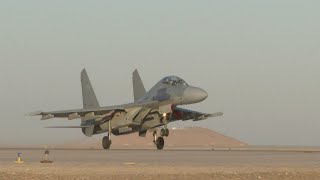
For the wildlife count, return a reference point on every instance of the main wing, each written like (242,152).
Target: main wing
(95,113)
(76,114)
(185,114)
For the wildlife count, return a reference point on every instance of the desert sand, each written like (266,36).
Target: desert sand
(51,172)
(153,164)
(191,153)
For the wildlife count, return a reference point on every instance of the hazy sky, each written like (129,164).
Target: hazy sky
(258,60)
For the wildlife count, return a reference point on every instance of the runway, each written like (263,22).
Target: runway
(175,164)
(171,157)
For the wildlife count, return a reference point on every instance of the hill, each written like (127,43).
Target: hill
(179,138)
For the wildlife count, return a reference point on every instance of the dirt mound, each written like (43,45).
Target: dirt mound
(179,138)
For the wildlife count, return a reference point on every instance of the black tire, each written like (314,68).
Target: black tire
(160,143)
(163,132)
(106,143)
(167,132)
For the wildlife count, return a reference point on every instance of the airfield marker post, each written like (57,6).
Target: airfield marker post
(19,160)
(46,160)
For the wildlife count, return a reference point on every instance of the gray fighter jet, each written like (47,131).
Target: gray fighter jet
(150,110)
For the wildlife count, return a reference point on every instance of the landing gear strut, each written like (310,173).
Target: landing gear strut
(158,141)
(106,141)
(164,132)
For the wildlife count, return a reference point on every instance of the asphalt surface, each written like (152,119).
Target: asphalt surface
(191,158)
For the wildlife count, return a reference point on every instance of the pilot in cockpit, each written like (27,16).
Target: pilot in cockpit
(174,80)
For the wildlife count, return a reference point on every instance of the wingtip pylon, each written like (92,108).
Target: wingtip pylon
(37,113)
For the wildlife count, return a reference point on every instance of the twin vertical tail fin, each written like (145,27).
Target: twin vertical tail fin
(88,95)
(138,88)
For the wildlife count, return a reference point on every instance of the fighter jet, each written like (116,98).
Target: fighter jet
(149,111)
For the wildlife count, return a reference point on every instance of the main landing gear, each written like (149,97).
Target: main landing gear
(106,141)
(159,141)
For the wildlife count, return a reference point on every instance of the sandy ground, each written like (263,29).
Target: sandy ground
(152,164)
(78,171)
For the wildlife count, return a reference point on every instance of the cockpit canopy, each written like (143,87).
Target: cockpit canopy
(174,80)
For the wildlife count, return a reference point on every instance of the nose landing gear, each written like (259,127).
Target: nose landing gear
(164,132)
(160,143)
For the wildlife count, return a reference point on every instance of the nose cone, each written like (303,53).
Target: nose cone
(194,95)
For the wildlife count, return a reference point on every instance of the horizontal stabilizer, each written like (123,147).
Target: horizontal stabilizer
(206,116)
(216,114)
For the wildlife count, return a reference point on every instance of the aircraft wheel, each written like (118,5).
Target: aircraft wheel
(164,132)
(160,143)
(106,143)
(167,133)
